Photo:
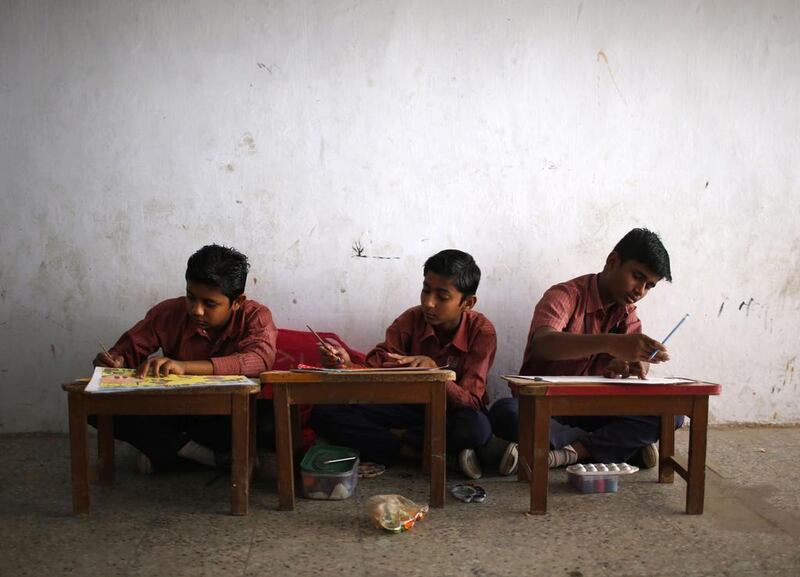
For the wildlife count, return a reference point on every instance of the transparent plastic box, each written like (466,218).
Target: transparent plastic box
(598,477)
(329,472)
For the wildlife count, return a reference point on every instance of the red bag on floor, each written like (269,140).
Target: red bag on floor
(295,347)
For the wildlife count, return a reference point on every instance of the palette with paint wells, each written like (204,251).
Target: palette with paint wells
(598,477)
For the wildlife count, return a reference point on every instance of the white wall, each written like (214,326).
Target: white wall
(531,134)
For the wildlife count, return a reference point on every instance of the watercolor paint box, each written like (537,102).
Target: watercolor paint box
(598,477)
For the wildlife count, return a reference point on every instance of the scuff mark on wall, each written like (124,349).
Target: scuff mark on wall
(721,306)
(248,143)
(746,306)
(602,55)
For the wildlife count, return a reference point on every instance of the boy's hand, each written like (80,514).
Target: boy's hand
(105,359)
(420,361)
(619,369)
(160,367)
(334,356)
(639,347)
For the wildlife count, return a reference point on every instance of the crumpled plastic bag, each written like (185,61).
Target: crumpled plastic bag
(394,513)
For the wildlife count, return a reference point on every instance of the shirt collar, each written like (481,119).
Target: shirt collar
(594,301)
(459,340)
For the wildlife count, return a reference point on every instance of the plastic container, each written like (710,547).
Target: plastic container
(329,472)
(598,477)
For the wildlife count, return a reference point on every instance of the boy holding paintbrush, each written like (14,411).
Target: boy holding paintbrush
(588,326)
(442,331)
(213,330)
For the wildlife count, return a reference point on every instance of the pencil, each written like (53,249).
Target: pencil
(680,322)
(324,343)
(105,350)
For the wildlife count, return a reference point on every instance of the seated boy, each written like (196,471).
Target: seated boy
(588,326)
(442,330)
(213,330)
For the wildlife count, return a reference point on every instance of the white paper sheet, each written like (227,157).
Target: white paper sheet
(605,381)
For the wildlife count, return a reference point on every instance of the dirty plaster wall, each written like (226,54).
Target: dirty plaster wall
(532,134)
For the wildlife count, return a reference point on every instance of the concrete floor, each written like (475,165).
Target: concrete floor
(176,525)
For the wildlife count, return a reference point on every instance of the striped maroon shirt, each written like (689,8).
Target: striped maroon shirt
(246,345)
(470,353)
(575,307)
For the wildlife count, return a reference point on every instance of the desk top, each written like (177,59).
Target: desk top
(635,388)
(356,376)
(79,385)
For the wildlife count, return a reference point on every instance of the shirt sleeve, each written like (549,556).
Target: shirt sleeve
(470,390)
(256,347)
(140,341)
(554,309)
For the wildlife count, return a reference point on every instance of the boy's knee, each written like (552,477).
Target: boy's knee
(504,416)
(468,428)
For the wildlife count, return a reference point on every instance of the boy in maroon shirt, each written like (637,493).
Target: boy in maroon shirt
(589,326)
(213,330)
(442,330)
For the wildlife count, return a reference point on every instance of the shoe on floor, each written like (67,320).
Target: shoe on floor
(509,460)
(143,464)
(562,457)
(500,454)
(469,464)
(646,457)
(197,452)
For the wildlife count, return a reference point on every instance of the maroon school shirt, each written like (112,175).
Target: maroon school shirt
(470,353)
(575,307)
(246,346)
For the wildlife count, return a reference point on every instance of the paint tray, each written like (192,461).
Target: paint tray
(598,477)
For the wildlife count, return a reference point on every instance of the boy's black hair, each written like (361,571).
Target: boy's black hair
(644,246)
(458,266)
(219,267)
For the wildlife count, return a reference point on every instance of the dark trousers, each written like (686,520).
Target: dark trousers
(608,439)
(367,428)
(160,437)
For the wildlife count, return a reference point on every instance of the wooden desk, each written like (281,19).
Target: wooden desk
(237,401)
(296,388)
(540,401)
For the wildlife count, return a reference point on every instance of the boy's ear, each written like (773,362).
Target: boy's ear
(238,301)
(469,302)
(612,260)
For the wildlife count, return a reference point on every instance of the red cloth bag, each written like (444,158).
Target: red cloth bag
(294,347)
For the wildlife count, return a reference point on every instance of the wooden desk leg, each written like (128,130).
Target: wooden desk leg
(105,449)
(426,442)
(525,439)
(438,419)
(79,454)
(240,453)
(252,436)
(666,449)
(696,483)
(283,446)
(541,447)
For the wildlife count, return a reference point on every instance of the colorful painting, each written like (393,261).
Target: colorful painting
(106,380)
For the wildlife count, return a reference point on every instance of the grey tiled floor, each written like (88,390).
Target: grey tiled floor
(176,525)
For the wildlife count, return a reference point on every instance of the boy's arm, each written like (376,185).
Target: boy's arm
(138,342)
(548,342)
(470,390)
(553,345)
(396,342)
(256,348)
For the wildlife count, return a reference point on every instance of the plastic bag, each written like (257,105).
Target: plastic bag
(394,513)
